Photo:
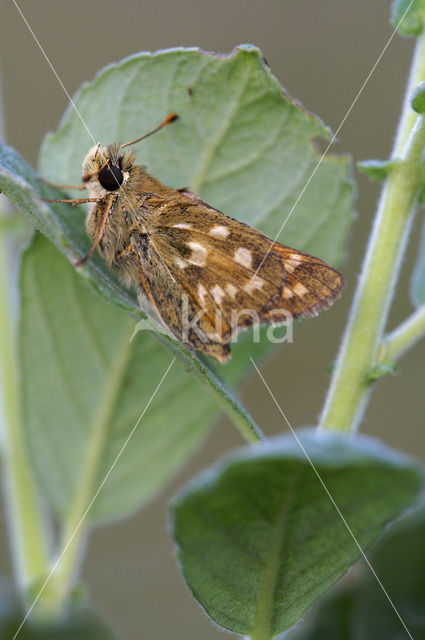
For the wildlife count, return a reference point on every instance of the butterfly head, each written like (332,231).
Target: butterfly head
(107,169)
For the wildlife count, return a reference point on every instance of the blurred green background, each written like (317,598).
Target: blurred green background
(321,52)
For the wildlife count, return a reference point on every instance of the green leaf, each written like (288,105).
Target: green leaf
(417,284)
(241,143)
(408,20)
(399,561)
(258,538)
(377,170)
(77,346)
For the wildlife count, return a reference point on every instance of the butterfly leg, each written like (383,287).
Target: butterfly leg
(71,200)
(108,209)
(128,249)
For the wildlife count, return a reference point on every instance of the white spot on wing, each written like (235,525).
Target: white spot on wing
(295,257)
(202,292)
(244,257)
(300,289)
(219,232)
(181,263)
(292,261)
(231,290)
(199,254)
(217,293)
(254,283)
(182,225)
(287,292)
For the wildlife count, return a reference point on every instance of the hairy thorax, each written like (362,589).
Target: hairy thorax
(128,205)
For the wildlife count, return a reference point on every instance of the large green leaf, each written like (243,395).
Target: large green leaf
(241,143)
(259,539)
(85,384)
(361,609)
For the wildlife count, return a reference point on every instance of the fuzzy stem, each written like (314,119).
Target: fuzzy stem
(25,520)
(408,116)
(24,516)
(349,390)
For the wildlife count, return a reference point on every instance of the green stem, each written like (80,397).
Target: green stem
(349,390)
(408,116)
(25,519)
(403,338)
(27,534)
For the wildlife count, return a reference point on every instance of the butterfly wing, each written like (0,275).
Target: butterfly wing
(224,275)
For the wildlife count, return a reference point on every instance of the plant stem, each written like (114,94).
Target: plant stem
(25,519)
(408,116)
(348,392)
(403,337)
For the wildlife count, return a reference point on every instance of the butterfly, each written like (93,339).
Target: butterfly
(203,275)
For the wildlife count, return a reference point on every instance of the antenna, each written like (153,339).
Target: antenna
(170,118)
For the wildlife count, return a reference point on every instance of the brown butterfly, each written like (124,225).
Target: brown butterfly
(204,275)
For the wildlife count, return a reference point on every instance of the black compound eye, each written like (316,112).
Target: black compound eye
(111,177)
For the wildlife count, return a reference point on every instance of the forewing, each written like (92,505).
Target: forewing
(310,284)
(229,268)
